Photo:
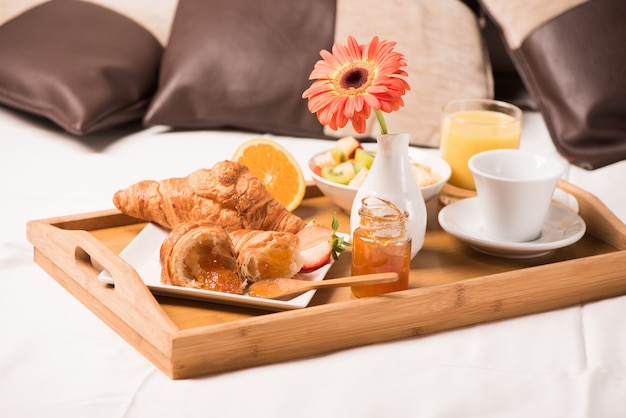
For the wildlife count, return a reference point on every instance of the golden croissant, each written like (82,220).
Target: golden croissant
(205,256)
(200,255)
(266,254)
(227,195)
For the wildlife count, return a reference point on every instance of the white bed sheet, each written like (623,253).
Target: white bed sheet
(57,359)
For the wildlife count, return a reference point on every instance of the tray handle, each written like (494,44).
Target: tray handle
(601,222)
(81,256)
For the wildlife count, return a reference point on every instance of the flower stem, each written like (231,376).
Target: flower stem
(381,122)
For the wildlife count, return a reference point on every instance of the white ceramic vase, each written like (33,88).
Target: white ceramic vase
(390,177)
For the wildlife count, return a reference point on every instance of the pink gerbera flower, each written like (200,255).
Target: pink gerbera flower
(355,79)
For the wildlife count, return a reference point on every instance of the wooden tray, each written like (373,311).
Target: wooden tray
(451,286)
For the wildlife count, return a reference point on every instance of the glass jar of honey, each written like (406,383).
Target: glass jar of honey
(381,244)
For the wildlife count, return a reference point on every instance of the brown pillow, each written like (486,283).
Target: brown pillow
(82,66)
(242,64)
(571,56)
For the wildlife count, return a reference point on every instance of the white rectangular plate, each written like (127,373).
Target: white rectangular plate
(143,254)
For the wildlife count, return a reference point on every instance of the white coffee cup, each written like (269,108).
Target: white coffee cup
(515,189)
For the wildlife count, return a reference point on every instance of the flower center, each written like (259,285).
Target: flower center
(354,78)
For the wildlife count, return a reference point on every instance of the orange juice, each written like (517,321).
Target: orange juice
(468,132)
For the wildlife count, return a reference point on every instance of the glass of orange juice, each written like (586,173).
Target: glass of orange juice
(469,127)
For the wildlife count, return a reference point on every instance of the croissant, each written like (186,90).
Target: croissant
(200,255)
(227,195)
(266,254)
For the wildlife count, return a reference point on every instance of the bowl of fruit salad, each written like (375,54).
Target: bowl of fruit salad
(339,171)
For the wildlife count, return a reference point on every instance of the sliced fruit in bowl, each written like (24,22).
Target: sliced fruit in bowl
(342,173)
(339,176)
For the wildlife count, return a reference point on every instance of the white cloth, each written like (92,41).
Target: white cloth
(57,359)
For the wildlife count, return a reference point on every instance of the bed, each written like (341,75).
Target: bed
(58,359)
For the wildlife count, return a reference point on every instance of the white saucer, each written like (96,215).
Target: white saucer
(561,228)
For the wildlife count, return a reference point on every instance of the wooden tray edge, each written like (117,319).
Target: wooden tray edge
(315,330)
(129,308)
(327,328)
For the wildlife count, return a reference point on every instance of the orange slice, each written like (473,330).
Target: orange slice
(277,169)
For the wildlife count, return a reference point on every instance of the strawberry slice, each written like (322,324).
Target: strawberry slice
(315,247)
